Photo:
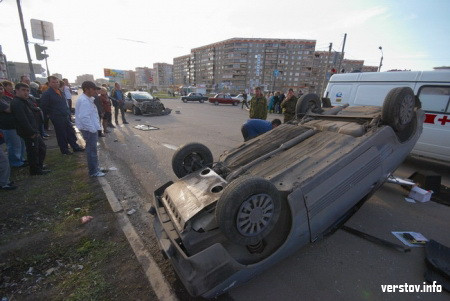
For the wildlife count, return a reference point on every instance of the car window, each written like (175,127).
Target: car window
(435,98)
(142,96)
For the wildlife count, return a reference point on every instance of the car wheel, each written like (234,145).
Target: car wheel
(398,108)
(184,100)
(201,101)
(235,103)
(191,157)
(136,110)
(248,210)
(216,103)
(308,102)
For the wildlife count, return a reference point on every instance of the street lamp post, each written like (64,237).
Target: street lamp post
(381,59)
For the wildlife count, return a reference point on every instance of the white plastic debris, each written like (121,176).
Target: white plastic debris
(131,211)
(420,195)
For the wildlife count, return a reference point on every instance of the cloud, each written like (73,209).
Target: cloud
(357,18)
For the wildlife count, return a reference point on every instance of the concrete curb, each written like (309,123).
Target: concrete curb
(154,275)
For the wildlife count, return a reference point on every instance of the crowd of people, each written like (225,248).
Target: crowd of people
(259,108)
(26,109)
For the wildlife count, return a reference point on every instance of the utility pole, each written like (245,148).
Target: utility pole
(326,69)
(25,40)
(342,54)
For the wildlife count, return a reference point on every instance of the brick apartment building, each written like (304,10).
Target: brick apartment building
(242,63)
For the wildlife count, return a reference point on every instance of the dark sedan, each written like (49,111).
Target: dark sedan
(194,97)
(223,98)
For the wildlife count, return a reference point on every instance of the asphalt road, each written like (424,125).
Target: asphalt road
(341,266)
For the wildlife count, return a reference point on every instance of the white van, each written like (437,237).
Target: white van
(432,88)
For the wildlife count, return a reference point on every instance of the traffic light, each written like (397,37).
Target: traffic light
(40,55)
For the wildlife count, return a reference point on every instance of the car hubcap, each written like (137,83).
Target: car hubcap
(406,109)
(255,214)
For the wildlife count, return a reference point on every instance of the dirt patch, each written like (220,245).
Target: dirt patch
(45,250)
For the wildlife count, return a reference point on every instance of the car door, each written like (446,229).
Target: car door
(435,139)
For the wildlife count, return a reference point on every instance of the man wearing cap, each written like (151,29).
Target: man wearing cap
(87,121)
(54,104)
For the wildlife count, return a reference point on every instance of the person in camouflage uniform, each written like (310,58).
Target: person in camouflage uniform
(288,105)
(258,105)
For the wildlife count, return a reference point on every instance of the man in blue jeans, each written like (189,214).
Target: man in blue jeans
(255,127)
(87,121)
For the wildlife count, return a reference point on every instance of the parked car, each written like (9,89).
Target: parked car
(143,103)
(194,97)
(223,98)
(74,90)
(240,97)
(222,223)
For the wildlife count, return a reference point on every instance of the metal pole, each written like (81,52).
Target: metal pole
(381,60)
(342,54)
(25,40)
(326,69)
(46,64)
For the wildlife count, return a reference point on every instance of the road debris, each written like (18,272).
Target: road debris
(420,195)
(410,239)
(86,219)
(131,211)
(146,127)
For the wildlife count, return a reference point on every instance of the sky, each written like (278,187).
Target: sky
(124,34)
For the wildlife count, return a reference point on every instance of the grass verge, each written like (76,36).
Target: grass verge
(45,250)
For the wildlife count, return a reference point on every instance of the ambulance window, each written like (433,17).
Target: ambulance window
(435,99)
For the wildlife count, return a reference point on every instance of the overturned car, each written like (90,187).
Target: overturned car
(222,223)
(143,103)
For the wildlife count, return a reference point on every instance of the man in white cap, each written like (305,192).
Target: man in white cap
(87,121)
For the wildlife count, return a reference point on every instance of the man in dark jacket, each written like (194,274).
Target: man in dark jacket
(118,102)
(27,128)
(54,104)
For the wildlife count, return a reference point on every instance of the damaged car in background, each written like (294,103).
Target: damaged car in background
(143,103)
(225,221)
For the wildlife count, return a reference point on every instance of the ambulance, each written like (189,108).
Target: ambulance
(431,87)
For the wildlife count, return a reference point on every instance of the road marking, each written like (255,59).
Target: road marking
(154,275)
(170,146)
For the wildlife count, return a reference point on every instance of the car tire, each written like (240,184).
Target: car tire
(398,108)
(184,100)
(308,102)
(136,110)
(235,103)
(216,103)
(248,210)
(201,101)
(191,157)
(399,112)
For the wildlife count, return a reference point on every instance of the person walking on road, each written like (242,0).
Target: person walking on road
(88,122)
(54,104)
(258,105)
(118,103)
(244,100)
(289,104)
(28,128)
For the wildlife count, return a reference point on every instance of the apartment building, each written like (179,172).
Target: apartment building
(163,75)
(144,77)
(181,67)
(17,69)
(369,69)
(349,66)
(240,64)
